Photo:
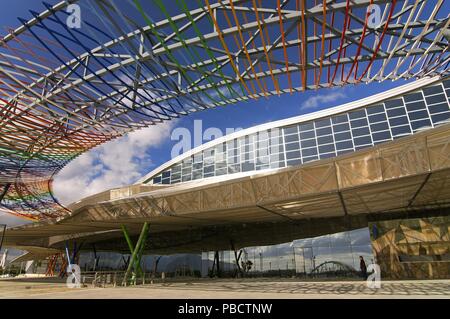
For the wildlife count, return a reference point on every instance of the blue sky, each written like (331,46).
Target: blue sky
(123,161)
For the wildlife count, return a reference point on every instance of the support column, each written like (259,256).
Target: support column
(217,263)
(68,254)
(76,252)
(136,252)
(237,258)
(64,264)
(96,259)
(51,265)
(155,266)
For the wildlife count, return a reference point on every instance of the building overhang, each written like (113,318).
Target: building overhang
(408,174)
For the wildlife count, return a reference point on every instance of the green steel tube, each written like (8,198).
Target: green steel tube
(194,54)
(136,250)
(127,238)
(168,52)
(137,266)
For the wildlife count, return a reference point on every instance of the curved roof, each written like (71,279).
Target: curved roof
(374,99)
(130,64)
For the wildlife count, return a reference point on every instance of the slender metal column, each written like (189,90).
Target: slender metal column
(216,256)
(96,259)
(237,258)
(68,254)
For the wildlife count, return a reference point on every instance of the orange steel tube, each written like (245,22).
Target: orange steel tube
(219,33)
(391,11)
(344,29)
(345,49)
(244,46)
(322,47)
(284,46)
(358,51)
(266,30)
(237,42)
(315,45)
(275,83)
(263,80)
(304,48)
(329,48)
(299,32)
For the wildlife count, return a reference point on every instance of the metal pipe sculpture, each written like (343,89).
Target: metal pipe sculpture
(134,63)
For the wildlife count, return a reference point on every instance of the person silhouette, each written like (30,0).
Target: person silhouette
(363,267)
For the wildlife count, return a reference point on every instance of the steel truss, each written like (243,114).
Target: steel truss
(64,91)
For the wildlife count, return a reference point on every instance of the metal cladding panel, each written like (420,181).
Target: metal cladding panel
(379,197)
(404,159)
(439,150)
(359,169)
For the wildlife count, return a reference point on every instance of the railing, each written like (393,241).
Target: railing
(115,278)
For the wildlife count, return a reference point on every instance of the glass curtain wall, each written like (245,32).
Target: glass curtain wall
(318,139)
(330,255)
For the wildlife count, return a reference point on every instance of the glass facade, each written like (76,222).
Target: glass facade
(302,257)
(317,139)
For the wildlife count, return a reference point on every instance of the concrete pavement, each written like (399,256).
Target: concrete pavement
(227,288)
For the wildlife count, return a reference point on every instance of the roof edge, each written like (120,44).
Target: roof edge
(364,102)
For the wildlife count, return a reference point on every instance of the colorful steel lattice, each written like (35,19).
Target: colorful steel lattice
(134,63)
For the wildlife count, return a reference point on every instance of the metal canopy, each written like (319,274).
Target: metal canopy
(137,63)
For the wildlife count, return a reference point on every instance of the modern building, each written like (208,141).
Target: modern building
(382,162)
(335,131)
(73,79)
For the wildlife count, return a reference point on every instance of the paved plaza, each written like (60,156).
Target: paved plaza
(223,288)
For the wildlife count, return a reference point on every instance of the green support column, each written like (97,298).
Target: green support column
(137,266)
(136,252)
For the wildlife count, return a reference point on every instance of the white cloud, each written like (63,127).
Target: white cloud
(317,100)
(110,165)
